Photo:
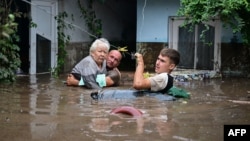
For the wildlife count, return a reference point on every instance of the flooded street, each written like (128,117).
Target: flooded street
(39,108)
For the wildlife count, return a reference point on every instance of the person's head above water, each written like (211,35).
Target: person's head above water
(114,59)
(99,50)
(167,60)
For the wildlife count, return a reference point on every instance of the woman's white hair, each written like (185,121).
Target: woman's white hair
(96,43)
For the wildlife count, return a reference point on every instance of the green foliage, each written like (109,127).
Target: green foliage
(9,57)
(233,13)
(32,24)
(92,22)
(63,41)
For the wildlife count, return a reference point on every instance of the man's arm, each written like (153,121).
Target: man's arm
(72,81)
(139,81)
(113,77)
(109,81)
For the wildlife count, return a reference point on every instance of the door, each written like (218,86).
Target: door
(196,54)
(43,37)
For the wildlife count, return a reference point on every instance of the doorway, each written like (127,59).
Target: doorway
(43,59)
(195,53)
(23,33)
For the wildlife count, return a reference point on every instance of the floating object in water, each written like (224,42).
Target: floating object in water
(128,110)
(240,101)
(129,94)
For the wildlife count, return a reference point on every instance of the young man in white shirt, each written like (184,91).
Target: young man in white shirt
(167,60)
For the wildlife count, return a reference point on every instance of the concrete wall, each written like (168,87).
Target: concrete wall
(114,14)
(75,52)
(150,53)
(150,31)
(118,26)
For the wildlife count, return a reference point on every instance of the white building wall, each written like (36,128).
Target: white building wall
(78,34)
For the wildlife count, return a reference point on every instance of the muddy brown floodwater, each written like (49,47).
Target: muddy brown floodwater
(39,108)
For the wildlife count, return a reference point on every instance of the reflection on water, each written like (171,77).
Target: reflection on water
(43,102)
(43,108)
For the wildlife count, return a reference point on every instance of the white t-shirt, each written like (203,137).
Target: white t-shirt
(159,81)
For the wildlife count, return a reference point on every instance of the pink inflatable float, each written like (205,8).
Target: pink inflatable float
(129,110)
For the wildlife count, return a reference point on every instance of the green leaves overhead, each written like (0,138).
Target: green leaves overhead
(233,13)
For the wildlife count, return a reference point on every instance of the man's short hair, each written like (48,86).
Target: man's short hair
(172,54)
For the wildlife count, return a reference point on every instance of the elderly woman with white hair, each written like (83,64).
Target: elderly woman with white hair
(90,71)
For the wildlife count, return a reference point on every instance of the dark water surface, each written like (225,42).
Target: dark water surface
(40,108)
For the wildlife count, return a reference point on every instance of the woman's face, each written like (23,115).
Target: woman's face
(100,54)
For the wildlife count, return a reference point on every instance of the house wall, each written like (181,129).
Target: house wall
(114,15)
(115,18)
(79,39)
(152,19)
(152,27)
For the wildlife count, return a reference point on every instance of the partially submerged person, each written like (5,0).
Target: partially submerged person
(91,70)
(156,86)
(167,60)
(87,74)
(113,74)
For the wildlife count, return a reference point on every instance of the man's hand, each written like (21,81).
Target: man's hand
(139,58)
(113,77)
(72,81)
(140,82)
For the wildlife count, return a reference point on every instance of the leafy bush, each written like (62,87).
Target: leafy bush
(9,57)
